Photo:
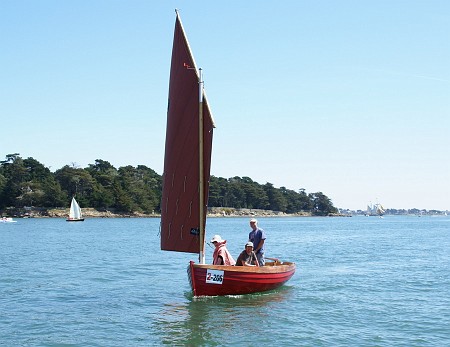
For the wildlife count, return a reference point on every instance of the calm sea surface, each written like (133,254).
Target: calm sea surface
(360,281)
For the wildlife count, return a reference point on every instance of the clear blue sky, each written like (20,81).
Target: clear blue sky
(350,98)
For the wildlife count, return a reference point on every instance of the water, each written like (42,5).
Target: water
(104,282)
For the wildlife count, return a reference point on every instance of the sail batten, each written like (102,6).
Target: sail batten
(181,199)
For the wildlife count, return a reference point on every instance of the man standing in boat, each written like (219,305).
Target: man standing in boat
(257,237)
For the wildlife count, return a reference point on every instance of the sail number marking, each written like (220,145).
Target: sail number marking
(214,276)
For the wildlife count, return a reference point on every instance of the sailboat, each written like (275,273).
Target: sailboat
(187,162)
(375,210)
(75,212)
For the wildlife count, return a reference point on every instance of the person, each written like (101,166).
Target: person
(258,237)
(221,255)
(247,256)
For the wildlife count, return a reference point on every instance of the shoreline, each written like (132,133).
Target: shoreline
(39,212)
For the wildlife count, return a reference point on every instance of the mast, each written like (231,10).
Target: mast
(201,255)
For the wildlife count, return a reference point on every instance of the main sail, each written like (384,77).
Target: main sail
(75,210)
(180,203)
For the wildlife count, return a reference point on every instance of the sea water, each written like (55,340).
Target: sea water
(360,281)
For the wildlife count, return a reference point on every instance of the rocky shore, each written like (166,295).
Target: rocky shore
(247,212)
(40,212)
(36,212)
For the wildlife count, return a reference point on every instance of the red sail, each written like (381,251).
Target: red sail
(180,206)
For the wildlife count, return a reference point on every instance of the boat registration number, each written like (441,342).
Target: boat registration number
(214,276)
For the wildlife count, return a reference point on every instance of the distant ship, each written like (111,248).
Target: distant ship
(375,210)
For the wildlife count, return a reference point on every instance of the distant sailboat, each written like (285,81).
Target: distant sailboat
(186,182)
(375,210)
(75,212)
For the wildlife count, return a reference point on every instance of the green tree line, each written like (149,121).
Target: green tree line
(27,182)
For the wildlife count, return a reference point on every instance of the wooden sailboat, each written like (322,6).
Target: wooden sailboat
(186,176)
(75,214)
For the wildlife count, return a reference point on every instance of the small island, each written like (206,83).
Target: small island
(30,189)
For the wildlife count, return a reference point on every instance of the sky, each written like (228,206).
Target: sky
(349,98)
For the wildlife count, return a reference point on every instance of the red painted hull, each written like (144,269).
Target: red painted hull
(238,280)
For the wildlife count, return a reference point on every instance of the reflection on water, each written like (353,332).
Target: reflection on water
(206,320)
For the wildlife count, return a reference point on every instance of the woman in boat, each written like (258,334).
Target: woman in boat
(221,255)
(247,256)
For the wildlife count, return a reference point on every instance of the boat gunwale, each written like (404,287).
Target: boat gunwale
(270,267)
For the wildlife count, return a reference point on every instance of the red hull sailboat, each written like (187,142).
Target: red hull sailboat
(187,162)
(209,280)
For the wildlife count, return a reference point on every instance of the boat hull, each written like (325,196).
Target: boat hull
(217,280)
(75,220)
(7,221)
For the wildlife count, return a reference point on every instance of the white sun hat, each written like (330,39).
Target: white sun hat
(216,238)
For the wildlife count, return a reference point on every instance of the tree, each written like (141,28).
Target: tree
(139,185)
(322,205)
(296,202)
(2,186)
(277,201)
(53,194)
(218,188)
(76,182)
(41,188)
(26,182)
(15,172)
(105,175)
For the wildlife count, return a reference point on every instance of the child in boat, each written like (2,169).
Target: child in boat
(247,256)
(221,255)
